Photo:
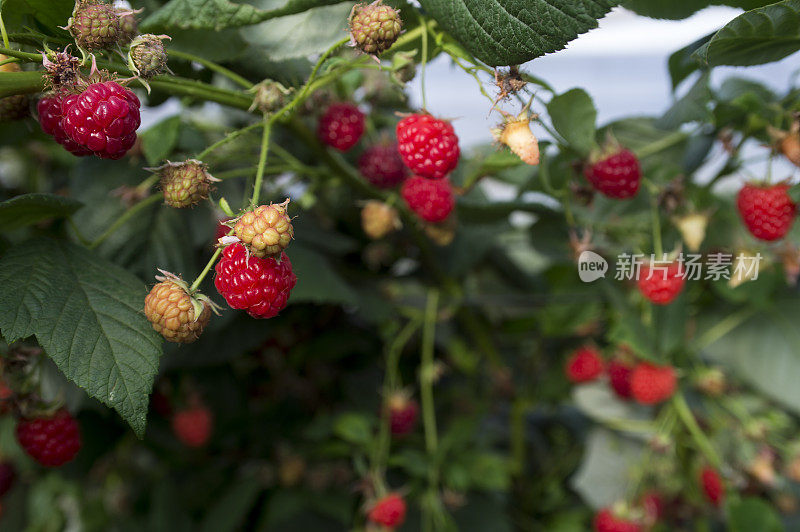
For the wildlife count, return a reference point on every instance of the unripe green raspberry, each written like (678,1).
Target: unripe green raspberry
(269,96)
(266,231)
(374,27)
(185,184)
(128,26)
(148,56)
(95,26)
(14,108)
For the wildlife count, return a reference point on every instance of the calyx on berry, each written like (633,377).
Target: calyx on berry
(515,132)
(185,183)
(62,71)
(374,27)
(269,96)
(266,230)
(175,312)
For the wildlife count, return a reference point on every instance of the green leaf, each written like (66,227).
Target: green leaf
(600,403)
(353,428)
(759,36)
(52,12)
(680,9)
(752,514)
(573,115)
(87,315)
(512,32)
(230,512)
(692,107)
(683,62)
(159,140)
(28,209)
(219,14)
(317,281)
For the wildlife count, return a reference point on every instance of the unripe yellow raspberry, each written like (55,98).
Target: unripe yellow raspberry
(173,313)
(378,219)
(266,230)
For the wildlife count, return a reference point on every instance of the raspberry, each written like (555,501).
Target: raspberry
(222,229)
(403,413)
(428,146)
(192,426)
(619,376)
(606,521)
(382,166)
(103,118)
(767,211)
(374,27)
(185,184)
(341,126)
(516,134)
(693,229)
(266,231)
(389,511)
(653,506)
(128,26)
(617,175)
(14,108)
(661,284)
(790,146)
(711,381)
(259,286)
(584,365)
(378,219)
(94,25)
(269,96)
(651,384)
(51,441)
(8,474)
(174,314)
(49,109)
(712,485)
(147,56)
(432,200)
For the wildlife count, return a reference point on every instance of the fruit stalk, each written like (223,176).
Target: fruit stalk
(127,215)
(685,414)
(211,261)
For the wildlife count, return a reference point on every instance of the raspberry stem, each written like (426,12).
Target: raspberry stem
(3,31)
(214,67)
(228,138)
(426,378)
(211,261)
(127,215)
(262,160)
(685,414)
(423,24)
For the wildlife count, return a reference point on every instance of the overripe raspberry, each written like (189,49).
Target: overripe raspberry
(14,108)
(584,365)
(49,109)
(147,56)
(767,211)
(374,27)
(651,384)
(51,441)
(617,175)
(619,377)
(341,126)
(266,230)
(403,413)
(186,183)
(382,166)
(606,521)
(712,485)
(516,133)
(432,200)
(94,25)
(428,146)
(103,118)
(378,219)
(174,314)
(8,473)
(259,286)
(389,511)
(661,284)
(193,425)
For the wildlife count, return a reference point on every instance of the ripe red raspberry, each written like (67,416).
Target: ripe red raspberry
(403,413)
(606,521)
(713,487)
(617,175)
(619,376)
(49,109)
(175,314)
(428,146)
(651,384)
(432,200)
(51,441)
(584,365)
(192,426)
(661,284)
(341,126)
(767,211)
(8,473)
(103,118)
(382,166)
(390,511)
(259,286)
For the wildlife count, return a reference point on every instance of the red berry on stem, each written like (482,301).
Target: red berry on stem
(606,521)
(651,384)
(390,511)
(661,284)
(619,376)
(432,200)
(103,118)
(428,146)
(341,126)
(713,487)
(259,286)
(382,166)
(51,441)
(617,175)
(584,365)
(403,413)
(192,426)
(767,211)
(49,109)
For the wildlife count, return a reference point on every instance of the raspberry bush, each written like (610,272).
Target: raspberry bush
(251,278)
